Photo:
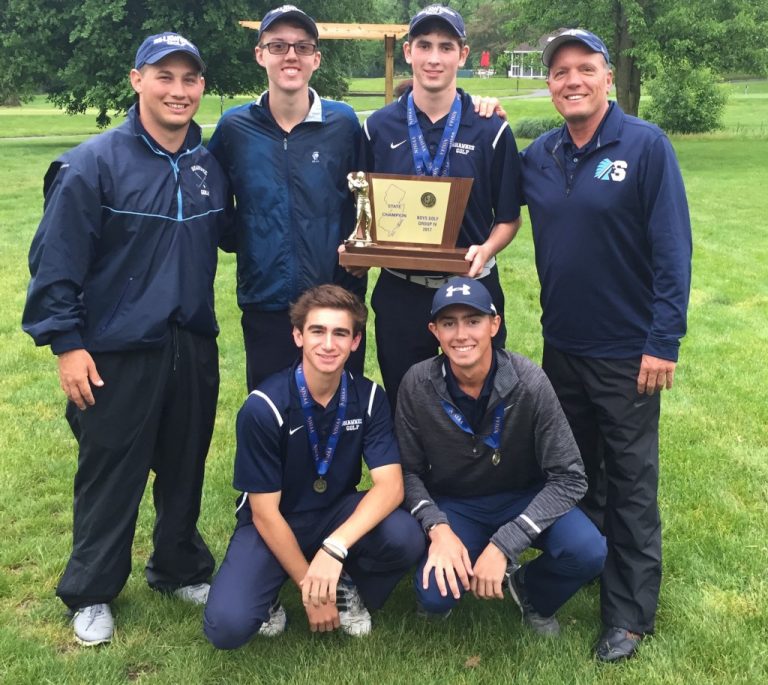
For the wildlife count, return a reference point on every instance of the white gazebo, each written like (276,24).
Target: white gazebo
(525,59)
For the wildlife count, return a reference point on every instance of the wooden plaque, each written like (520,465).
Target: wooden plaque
(415,224)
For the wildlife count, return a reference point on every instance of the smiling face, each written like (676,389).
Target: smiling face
(579,82)
(290,72)
(465,335)
(326,340)
(169,95)
(435,58)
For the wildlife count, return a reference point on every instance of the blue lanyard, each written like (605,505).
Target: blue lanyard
(322,461)
(493,440)
(422,160)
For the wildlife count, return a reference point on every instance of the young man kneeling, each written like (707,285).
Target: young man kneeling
(300,436)
(491,468)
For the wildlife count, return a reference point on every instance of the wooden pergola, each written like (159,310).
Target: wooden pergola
(389,32)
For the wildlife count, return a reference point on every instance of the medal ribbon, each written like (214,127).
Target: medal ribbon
(494,439)
(322,459)
(422,160)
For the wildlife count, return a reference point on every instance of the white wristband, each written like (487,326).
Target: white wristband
(336,546)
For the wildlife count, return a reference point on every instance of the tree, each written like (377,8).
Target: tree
(486,30)
(685,100)
(80,51)
(643,34)
(28,44)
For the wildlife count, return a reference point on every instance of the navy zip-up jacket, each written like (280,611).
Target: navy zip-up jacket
(613,240)
(293,205)
(127,244)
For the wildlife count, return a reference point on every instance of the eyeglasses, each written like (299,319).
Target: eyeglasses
(278,47)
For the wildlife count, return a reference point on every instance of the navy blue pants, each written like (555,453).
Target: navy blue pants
(250,576)
(573,550)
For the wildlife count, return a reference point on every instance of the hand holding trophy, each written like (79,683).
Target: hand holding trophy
(407,222)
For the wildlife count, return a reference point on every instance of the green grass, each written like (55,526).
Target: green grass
(713,621)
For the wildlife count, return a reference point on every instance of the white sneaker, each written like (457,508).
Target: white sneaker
(93,625)
(275,624)
(353,616)
(194,594)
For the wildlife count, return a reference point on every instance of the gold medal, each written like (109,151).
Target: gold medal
(496,458)
(320,485)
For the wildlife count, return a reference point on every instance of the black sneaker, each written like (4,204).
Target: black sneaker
(616,644)
(541,625)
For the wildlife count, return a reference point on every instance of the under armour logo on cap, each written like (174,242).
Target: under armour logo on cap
(466,291)
(464,288)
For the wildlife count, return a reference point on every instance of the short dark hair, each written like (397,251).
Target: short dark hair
(402,86)
(329,297)
(436,25)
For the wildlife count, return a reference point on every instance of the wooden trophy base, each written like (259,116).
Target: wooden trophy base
(402,257)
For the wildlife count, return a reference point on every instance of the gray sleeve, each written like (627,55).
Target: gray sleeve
(417,498)
(560,461)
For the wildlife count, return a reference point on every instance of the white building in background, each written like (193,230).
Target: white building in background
(525,59)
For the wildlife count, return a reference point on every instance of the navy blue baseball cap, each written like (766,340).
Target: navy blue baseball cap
(445,14)
(466,291)
(574,36)
(156,47)
(289,12)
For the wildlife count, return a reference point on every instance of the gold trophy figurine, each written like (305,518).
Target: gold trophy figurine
(361,235)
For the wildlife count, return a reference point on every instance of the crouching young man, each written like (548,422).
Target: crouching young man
(300,436)
(491,468)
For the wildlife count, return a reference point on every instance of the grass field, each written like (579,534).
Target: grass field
(713,620)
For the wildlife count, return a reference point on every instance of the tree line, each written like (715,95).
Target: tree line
(78,52)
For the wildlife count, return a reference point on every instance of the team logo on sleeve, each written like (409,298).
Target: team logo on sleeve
(611,171)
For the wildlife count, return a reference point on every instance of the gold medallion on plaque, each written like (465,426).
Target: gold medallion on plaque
(407,222)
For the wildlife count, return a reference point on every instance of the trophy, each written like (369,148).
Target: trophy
(358,184)
(407,222)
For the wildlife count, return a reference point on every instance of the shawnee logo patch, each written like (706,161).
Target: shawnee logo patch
(611,171)
(201,174)
(352,424)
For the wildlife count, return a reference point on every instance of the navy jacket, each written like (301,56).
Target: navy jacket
(293,205)
(613,240)
(127,244)
(484,150)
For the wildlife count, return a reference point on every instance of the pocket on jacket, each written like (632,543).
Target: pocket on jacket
(113,312)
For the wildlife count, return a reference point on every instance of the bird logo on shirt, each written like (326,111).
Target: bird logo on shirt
(611,171)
